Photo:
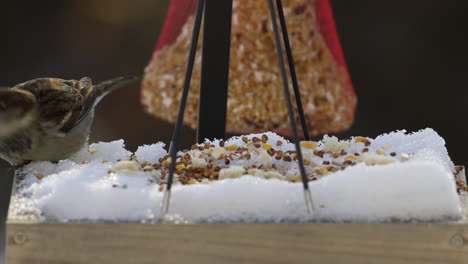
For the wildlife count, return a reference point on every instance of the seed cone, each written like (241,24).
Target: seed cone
(255,97)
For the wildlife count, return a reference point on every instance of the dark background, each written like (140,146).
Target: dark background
(407,59)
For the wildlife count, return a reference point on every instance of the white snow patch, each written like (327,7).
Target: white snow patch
(86,188)
(151,153)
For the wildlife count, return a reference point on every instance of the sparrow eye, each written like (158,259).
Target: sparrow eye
(69,83)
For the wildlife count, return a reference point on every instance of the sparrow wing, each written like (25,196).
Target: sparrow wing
(16,109)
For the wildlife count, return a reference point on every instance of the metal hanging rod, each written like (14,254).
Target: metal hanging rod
(287,95)
(215,65)
(183,101)
(292,68)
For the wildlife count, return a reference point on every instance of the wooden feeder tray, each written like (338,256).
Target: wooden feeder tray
(30,242)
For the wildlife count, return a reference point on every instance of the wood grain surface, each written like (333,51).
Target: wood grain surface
(237,243)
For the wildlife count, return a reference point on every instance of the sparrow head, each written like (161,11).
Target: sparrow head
(59,102)
(49,118)
(63,104)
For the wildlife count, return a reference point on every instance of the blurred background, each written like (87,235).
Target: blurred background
(407,59)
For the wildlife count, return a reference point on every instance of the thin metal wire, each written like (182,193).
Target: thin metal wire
(279,50)
(183,101)
(292,69)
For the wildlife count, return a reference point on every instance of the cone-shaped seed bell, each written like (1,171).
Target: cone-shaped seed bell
(255,95)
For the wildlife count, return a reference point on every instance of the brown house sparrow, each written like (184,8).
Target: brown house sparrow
(49,118)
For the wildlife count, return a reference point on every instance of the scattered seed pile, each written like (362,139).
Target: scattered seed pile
(265,155)
(256,100)
(268,156)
